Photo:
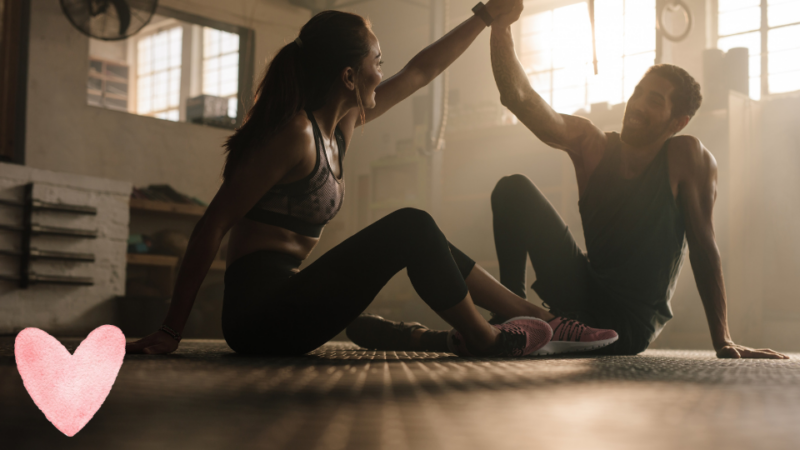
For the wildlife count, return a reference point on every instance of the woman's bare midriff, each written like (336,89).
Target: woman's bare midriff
(249,236)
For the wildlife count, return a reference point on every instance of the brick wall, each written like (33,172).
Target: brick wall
(54,308)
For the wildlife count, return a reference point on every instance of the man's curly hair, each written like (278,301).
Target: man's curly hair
(686,98)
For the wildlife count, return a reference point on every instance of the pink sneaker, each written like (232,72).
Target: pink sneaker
(519,336)
(571,336)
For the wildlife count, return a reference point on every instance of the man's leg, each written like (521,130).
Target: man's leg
(527,225)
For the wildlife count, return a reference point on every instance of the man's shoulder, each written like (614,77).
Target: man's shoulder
(687,153)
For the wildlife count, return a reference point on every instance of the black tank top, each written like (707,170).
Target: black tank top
(306,206)
(634,238)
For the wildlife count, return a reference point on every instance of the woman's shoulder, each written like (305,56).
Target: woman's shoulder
(296,136)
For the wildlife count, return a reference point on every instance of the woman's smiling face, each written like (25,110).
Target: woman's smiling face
(370,75)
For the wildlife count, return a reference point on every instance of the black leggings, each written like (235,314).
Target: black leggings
(270,309)
(527,226)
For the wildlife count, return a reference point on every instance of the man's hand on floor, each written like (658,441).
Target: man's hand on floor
(735,351)
(158,343)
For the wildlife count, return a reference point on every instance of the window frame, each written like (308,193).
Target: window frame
(539,7)
(246,53)
(763,31)
(203,57)
(191,22)
(133,87)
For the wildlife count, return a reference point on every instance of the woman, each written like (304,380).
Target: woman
(283,181)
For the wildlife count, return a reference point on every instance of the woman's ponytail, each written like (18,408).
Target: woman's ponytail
(300,77)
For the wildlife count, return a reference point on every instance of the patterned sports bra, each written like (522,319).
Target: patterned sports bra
(306,206)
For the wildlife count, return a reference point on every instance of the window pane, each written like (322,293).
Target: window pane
(569,100)
(606,86)
(783,38)
(211,64)
(561,39)
(547,96)
(783,14)
(730,5)
(635,67)
(785,61)
(537,42)
(144,56)
(609,24)
(230,60)
(740,20)
(755,66)
(233,104)
(211,83)
(540,81)
(571,77)
(572,43)
(750,40)
(144,94)
(640,26)
(174,87)
(538,22)
(230,42)
(211,42)
(784,82)
(537,61)
(230,82)
(175,44)
(755,88)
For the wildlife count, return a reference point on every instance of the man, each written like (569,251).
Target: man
(640,192)
(644,193)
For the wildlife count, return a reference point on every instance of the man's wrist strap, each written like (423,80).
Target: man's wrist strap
(480,11)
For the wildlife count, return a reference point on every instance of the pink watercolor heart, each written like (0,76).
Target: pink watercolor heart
(69,389)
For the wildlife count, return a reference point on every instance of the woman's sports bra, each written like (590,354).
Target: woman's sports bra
(305,206)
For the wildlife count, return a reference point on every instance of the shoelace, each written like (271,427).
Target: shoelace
(570,329)
(513,342)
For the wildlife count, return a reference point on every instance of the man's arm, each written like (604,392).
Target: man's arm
(562,131)
(431,61)
(697,192)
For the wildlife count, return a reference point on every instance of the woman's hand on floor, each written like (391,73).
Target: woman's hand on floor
(736,351)
(158,343)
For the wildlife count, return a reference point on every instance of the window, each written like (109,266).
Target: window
(158,74)
(770,30)
(556,52)
(221,66)
(179,67)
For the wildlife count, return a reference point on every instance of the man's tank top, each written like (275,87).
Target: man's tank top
(635,241)
(306,206)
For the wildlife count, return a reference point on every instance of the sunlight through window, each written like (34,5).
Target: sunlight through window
(740,25)
(159,74)
(221,66)
(556,51)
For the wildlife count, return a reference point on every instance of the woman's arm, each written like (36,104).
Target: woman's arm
(432,61)
(251,179)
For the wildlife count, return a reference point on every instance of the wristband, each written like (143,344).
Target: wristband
(480,11)
(175,335)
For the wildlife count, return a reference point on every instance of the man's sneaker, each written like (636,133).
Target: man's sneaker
(571,336)
(375,332)
(519,336)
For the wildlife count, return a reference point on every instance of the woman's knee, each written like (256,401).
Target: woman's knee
(411,217)
(413,223)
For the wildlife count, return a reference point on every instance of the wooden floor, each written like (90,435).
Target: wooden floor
(339,397)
